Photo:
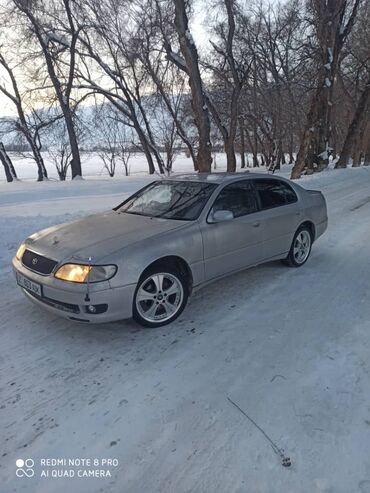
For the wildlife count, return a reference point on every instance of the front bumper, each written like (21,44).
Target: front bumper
(68,299)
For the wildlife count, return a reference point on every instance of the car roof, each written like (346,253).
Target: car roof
(219,177)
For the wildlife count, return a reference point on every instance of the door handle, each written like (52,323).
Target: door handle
(256,225)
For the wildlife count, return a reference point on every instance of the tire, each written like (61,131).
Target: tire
(153,290)
(300,249)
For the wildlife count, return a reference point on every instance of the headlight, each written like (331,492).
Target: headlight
(20,251)
(85,273)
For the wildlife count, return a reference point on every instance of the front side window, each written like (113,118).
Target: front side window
(274,193)
(179,200)
(238,197)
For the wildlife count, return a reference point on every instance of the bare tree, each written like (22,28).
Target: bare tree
(108,146)
(23,124)
(60,151)
(125,154)
(168,79)
(107,154)
(111,67)
(230,68)
(280,57)
(113,137)
(189,63)
(59,145)
(272,103)
(356,130)
(53,27)
(167,137)
(333,21)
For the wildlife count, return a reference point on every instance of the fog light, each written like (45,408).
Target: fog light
(96,309)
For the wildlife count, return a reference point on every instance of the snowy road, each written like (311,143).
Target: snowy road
(290,346)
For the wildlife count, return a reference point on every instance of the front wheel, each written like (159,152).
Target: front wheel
(300,249)
(160,297)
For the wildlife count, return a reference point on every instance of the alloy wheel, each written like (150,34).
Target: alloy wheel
(159,297)
(302,246)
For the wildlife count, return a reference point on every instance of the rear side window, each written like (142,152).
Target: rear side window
(238,197)
(274,193)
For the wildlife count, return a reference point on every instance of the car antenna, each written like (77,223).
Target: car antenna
(87,297)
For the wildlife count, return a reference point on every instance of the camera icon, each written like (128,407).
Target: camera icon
(25,468)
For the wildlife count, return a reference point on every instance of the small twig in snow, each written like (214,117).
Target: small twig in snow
(285,461)
(276,376)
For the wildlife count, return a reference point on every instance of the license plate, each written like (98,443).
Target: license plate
(25,283)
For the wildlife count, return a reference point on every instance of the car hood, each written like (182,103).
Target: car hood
(97,235)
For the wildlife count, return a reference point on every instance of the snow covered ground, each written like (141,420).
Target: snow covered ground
(290,346)
(93,166)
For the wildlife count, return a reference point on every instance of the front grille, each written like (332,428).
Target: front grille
(66,307)
(38,263)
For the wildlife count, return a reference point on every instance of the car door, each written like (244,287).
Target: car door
(281,215)
(233,244)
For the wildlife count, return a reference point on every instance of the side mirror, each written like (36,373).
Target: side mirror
(221,216)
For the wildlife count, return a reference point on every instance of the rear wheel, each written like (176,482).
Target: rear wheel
(300,249)
(160,297)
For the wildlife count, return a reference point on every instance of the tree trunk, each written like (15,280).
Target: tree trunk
(230,155)
(253,149)
(189,52)
(158,158)
(367,147)
(291,146)
(191,152)
(356,157)
(283,158)
(356,130)
(8,165)
(230,141)
(242,143)
(148,156)
(41,169)
(76,160)
(145,146)
(277,156)
(62,174)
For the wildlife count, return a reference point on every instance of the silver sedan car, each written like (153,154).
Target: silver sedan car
(145,257)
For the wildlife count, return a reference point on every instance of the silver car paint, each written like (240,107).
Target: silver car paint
(243,248)
(133,242)
(98,235)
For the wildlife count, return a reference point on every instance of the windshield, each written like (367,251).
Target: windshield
(171,200)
